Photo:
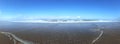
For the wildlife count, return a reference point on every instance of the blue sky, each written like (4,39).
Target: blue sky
(86,9)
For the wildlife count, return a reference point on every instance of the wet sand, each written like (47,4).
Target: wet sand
(76,33)
(4,39)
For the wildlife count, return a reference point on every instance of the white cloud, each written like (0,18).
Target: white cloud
(60,21)
(78,16)
(48,17)
(21,17)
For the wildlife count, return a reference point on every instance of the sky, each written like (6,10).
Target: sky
(36,9)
